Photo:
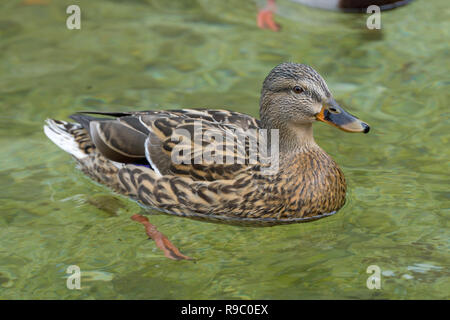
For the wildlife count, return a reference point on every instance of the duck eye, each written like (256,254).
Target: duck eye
(297,89)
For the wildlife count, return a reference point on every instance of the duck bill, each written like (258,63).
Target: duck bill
(333,114)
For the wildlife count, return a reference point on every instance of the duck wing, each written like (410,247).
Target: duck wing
(121,139)
(213,115)
(204,145)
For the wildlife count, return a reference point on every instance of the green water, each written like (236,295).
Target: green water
(160,54)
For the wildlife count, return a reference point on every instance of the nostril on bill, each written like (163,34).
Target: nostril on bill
(366,127)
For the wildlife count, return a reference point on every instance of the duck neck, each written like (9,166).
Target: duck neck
(296,138)
(293,138)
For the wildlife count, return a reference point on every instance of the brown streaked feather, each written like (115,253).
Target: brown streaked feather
(214,115)
(122,139)
(168,135)
(249,199)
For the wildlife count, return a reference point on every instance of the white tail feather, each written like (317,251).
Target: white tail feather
(58,133)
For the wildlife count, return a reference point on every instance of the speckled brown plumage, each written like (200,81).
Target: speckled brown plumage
(308,184)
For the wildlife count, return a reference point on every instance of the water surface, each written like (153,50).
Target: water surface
(138,55)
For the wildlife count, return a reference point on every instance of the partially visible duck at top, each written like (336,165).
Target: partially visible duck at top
(265,16)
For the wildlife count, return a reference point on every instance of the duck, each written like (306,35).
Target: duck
(265,17)
(155,158)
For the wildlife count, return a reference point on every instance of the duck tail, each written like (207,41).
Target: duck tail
(71,137)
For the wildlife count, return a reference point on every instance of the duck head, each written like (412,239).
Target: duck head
(295,95)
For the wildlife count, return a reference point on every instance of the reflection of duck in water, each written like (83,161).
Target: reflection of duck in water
(265,15)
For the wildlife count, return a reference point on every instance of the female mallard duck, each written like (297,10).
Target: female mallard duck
(133,154)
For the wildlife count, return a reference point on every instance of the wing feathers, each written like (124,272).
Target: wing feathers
(156,137)
(118,142)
